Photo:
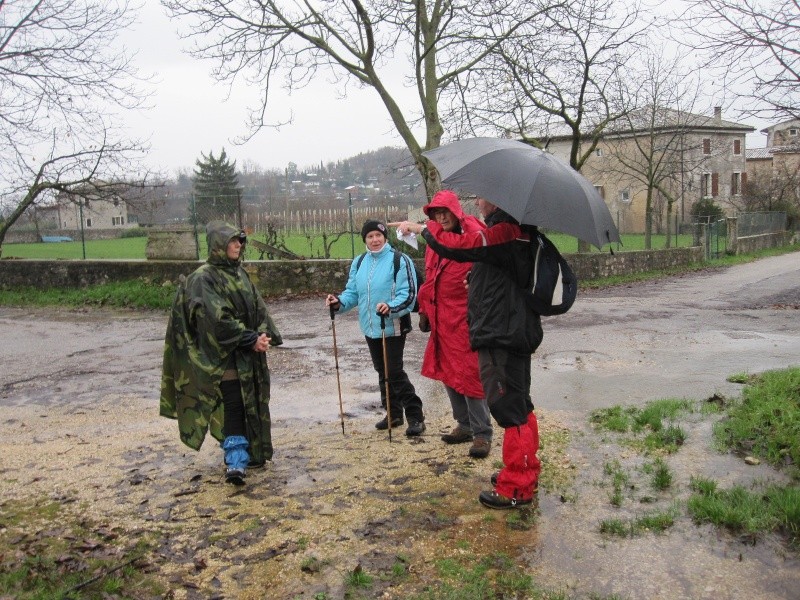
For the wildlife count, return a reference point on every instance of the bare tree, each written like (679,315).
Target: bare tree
(775,190)
(651,144)
(355,43)
(61,85)
(755,43)
(562,76)
(566,76)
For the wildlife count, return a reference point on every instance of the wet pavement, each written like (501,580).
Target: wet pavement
(674,338)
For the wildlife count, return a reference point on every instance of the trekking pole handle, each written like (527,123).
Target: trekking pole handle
(383,320)
(333,311)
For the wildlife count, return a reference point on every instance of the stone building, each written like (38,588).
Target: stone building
(694,156)
(95,213)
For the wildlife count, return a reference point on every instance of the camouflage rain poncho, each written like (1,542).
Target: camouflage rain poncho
(212,311)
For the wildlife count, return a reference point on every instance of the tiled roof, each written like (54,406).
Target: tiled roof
(757,153)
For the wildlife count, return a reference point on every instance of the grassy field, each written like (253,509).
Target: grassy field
(133,248)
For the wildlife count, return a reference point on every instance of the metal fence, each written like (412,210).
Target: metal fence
(758,223)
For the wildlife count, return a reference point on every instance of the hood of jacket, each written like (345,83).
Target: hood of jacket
(449,200)
(218,235)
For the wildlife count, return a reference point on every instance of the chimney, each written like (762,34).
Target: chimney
(718,113)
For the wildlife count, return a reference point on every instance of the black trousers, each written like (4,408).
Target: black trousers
(233,423)
(506,379)
(402,395)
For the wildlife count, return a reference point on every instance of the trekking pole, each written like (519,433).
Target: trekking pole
(336,359)
(386,377)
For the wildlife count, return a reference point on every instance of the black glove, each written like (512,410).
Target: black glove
(248,339)
(424,323)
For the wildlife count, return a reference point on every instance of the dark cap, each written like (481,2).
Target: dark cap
(373,226)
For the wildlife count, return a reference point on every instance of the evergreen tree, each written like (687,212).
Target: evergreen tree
(216,188)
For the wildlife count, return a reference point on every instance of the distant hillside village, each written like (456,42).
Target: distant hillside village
(712,164)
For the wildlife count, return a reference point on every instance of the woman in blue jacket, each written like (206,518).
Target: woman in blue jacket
(373,287)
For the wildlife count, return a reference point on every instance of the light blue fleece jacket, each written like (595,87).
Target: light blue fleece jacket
(373,282)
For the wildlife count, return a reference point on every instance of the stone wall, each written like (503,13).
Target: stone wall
(171,243)
(89,233)
(751,243)
(289,277)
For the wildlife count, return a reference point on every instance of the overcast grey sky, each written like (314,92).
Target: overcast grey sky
(191,114)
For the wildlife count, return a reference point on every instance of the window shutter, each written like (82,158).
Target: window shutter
(744,183)
(714,185)
(737,146)
(706,146)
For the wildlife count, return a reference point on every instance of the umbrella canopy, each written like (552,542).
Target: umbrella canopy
(531,185)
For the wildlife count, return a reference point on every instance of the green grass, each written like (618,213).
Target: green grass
(50,553)
(772,508)
(134,294)
(311,246)
(765,422)
(660,475)
(644,428)
(489,578)
(657,521)
(620,481)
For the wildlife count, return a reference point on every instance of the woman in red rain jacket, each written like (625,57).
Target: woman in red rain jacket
(448,356)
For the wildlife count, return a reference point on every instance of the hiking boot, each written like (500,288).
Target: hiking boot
(458,435)
(494,500)
(384,423)
(415,428)
(480,448)
(494,477)
(255,464)
(235,476)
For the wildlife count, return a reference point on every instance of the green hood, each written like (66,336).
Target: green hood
(218,235)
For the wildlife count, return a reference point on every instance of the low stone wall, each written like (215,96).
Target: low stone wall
(751,243)
(90,233)
(289,277)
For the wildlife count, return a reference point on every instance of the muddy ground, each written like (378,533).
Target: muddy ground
(79,424)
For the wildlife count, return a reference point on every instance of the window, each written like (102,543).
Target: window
(601,190)
(88,222)
(118,221)
(706,145)
(705,185)
(625,196)
(737,146)
(736,184)
(793,132)
(598,151)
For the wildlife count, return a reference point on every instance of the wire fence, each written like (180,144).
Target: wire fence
(757,223)
(311,233)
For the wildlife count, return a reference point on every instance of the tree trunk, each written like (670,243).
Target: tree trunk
(28,200)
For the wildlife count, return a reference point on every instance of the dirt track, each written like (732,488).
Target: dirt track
(78,392)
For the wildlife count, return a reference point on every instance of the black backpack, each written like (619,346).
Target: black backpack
(553,285)
(405,320)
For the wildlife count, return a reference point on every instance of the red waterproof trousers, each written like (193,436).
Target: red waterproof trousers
(506,381)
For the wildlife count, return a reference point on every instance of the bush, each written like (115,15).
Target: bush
(133,232)
(706,210)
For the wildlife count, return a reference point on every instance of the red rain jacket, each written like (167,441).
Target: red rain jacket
(443,298)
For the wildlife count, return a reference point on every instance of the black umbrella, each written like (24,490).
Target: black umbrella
(531,185)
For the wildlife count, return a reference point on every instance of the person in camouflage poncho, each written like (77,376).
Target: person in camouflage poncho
(215,375)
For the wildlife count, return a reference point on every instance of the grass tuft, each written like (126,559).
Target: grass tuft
(765,422)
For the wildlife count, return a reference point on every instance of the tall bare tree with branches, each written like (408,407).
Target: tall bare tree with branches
(563,76)
(651,143)
(752,42)
(63,78)
(355,43)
